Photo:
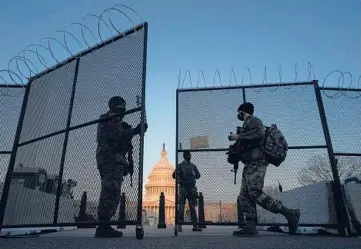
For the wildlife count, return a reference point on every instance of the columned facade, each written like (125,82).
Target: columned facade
(160,180)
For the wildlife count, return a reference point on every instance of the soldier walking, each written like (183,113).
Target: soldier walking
(254,171)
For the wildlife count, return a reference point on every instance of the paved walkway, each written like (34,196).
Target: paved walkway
(210,238)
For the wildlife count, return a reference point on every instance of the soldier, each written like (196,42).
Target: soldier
(253,175)
(187,175)
(112,136)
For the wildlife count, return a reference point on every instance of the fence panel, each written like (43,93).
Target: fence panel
(212,113)
(343,111)
(55,160)
(11,99)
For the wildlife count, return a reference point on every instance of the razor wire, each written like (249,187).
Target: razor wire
(345,81)
(15,74)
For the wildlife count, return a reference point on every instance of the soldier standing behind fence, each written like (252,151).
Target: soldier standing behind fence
(253,175)
(187,175)
(112,163)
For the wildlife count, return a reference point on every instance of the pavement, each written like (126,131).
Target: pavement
(210,238)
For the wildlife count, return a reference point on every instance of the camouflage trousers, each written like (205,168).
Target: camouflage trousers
(251,190)
(191,195)
(111,175)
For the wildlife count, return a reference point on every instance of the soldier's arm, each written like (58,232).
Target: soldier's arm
(198,175)
(173,175)
(116,132)
(256,131)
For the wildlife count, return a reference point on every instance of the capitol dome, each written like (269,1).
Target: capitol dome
(160,180)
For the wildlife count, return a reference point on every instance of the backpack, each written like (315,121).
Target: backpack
(275,145)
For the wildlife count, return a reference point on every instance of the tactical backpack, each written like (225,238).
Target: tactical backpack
(275,145)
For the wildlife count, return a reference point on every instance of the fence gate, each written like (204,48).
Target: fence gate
(53,158)
(204,118)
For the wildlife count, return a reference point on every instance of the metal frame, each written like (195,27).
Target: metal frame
(69,128)
(343,224)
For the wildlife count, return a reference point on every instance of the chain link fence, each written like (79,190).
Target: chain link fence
(11,99)
(343,111)
(206,116)
(54,163)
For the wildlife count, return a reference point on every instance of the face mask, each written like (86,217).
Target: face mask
(240,116)
(120,110)
(188,158)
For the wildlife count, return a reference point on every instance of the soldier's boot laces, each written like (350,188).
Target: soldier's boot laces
(179,228)
(249,230)
(293,217)
(107,232)
(196,228)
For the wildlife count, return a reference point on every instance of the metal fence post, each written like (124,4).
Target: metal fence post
(244,94)
(65,144)
(176,221)
(6,188)
(139,226)
(342,217)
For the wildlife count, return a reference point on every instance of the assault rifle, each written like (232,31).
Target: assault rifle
(128,149)
(234,154)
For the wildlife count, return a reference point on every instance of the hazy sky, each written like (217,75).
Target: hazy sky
(205,35)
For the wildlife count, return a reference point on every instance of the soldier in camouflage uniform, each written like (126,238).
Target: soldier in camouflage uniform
(112,136)
(254,171)
(187,175)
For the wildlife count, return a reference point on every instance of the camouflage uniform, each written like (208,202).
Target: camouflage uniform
(110,156)
(254,171)
(187,192)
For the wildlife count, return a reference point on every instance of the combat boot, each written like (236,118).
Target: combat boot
(196,228)
(179,228)
(293,218)
(107,232)
(249,230)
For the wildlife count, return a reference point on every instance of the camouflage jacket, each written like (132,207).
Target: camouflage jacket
(252,137)
(184,167)
(112,139)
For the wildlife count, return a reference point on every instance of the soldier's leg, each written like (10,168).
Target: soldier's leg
(111,181)
(255,175)
(247,203)
(181,202)
(248,206)
(192,196)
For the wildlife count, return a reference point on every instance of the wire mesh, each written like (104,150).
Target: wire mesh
(212,113)
(48,103)
(10,106)
(11,100)
(350,170)
(114,68)
(344,119)
(28,202)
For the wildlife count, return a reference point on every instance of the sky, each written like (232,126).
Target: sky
(212,36)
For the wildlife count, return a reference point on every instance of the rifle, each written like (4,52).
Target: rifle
(130,161)
(234,154)
(128,149)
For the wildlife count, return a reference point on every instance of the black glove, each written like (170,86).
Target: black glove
(137,129)
(125,125)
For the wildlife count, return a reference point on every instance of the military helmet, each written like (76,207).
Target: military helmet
(114,101)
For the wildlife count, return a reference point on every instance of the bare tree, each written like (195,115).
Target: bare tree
(319,169)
